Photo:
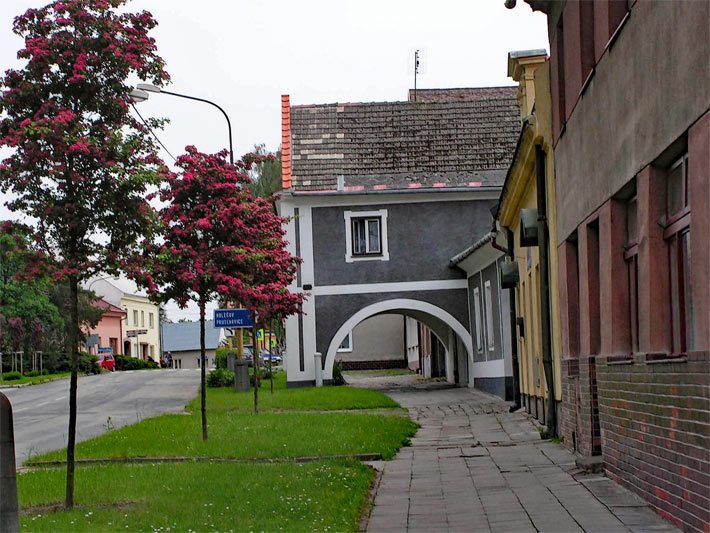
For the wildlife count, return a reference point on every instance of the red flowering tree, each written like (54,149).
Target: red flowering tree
(80,163)
(218,242)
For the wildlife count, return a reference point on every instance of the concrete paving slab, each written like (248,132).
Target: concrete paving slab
(473,466)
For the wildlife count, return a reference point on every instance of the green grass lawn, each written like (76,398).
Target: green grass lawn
(295,399)
(323,496)
(35,379)
(245,435)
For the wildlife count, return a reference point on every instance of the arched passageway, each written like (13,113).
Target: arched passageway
(448,330)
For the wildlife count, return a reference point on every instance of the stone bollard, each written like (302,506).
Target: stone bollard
(9,509)
(231,358)
(318,362)
(241,375)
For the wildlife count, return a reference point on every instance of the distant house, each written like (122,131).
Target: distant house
(140,326)
(377,342)
(379,197)
(182,341)
(109,331)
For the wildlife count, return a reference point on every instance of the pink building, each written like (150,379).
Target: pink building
(110,328)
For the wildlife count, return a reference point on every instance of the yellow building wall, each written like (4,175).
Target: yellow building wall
(522,194)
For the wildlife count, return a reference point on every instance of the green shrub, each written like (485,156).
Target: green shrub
(11,376)
(61,362)
(220,377)
(33,373)
(338,378)
(89,364)
(220,356)
(124,362)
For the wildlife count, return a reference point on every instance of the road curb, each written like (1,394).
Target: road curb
(364,457)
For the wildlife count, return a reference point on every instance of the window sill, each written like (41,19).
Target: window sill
(620,360)
(357,258)
(661,358)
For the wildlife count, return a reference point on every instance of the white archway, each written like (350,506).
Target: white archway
(398,304)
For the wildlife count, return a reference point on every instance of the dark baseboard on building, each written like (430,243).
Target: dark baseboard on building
(306,383)
(498,386)
(373,365)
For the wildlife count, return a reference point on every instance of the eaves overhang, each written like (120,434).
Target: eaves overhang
(519,172)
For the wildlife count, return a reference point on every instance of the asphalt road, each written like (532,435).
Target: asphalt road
(41,412)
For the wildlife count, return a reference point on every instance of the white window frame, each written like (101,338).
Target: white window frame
(349,348)
(151,320)
(384,245)
(135,317)
(488,300)
(477,319)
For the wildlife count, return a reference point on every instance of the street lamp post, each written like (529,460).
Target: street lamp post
(140,94)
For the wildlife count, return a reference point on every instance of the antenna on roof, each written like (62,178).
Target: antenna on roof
(416,71)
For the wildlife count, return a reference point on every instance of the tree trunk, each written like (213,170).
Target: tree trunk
(203,390)
(73,347)
(255,358)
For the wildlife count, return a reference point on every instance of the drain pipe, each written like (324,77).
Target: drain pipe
(510,252)
(543,245)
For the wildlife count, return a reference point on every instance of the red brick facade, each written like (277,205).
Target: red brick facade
(655,433)
(633,206)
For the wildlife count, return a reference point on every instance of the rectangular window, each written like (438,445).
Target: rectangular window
(477,319)
(150,320)
(586,37)
(135,318)
(677,236)
(593,268)
(142,319)
(632,268)
(366,236)
(488,298)
(347,344)
(561,102)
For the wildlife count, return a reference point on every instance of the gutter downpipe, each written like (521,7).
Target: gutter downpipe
(542,234)
(510,252)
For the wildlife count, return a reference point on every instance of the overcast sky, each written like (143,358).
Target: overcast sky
(244,54)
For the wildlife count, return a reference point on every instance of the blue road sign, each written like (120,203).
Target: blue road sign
(232,318)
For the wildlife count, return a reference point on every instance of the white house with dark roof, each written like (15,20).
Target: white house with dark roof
(182,341)
(380,196)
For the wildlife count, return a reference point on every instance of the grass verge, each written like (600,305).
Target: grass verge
(324,496)
(34,380)
(295,399)
(242,435)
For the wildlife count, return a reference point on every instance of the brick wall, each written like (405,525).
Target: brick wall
(568,422)
(655,426)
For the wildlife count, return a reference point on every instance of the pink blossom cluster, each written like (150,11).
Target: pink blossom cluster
(219,240)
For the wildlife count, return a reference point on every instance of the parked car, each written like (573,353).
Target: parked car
(267,356)
(107,361)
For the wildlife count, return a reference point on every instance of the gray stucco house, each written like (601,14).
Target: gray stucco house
(380,197)
(489,315)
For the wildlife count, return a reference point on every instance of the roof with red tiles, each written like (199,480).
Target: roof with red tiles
(461,142)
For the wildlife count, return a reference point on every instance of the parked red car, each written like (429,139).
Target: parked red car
(107,361)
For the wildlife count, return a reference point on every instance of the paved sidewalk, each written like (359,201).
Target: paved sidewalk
(475,467)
